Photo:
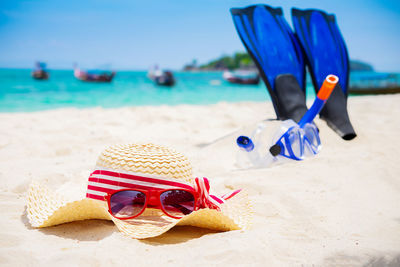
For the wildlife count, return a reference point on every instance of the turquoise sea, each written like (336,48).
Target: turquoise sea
(19,92)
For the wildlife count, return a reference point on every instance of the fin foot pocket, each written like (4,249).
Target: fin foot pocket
(291,99)
(336,116)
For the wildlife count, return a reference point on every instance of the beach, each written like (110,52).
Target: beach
(339,208)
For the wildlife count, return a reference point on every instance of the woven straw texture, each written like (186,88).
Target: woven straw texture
(147,159)
(46,208)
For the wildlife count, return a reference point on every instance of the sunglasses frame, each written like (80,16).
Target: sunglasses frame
(150,194)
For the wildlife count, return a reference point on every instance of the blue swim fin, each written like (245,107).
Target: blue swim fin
(326,53)
(278,56)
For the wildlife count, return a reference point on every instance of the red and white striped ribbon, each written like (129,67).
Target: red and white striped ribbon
(202,186)
(103,181)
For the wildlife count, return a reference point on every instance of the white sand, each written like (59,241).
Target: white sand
(339,208)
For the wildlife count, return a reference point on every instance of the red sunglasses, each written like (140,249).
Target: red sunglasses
(130,203)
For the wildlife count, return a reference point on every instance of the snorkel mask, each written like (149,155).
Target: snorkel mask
(291,141)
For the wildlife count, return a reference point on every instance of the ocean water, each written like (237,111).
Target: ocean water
(19,92)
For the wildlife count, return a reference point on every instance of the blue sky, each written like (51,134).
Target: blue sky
(137,34)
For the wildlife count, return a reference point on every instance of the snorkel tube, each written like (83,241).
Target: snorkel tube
(322,96)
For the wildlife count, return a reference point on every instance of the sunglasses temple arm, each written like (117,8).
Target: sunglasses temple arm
(322,96)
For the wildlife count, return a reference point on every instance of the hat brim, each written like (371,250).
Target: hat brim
(46,208)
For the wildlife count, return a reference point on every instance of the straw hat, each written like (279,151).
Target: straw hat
(46,208)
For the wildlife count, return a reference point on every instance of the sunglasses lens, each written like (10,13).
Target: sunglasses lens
(177,203)
(126,204)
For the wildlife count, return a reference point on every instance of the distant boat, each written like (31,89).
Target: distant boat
(374,90)
(160,77)
(93,77)
(374,83)
(241,77)
(40,72)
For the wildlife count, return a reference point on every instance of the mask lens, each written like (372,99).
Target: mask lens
(177,203)
(311,134)
(294,142)
(126,204)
